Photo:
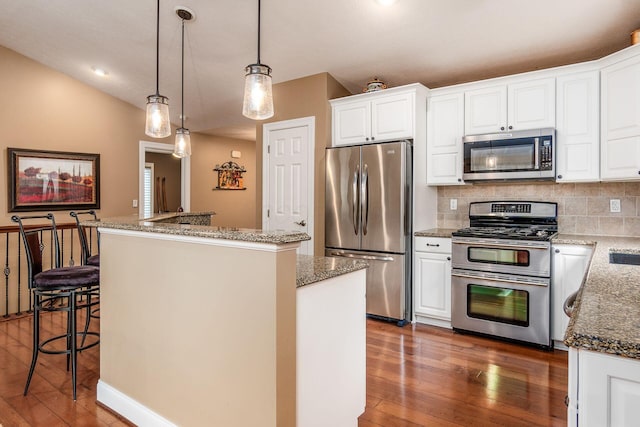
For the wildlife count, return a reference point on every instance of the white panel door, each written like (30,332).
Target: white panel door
(445,127)
(352,123)
(433,285)
(608,390)
(485,110)
(578,130)
(290,180)
(531,105)
(392,117)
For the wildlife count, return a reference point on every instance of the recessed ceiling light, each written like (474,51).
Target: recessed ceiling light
(386,2)
(99,71)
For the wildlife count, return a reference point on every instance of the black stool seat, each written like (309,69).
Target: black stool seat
(67,277)
(94,260)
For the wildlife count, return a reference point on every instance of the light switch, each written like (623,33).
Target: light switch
(134,204)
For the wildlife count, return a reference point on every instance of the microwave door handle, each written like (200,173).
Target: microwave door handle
(537,152)
(356,200)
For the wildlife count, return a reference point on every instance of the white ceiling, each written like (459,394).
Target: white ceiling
(434,42)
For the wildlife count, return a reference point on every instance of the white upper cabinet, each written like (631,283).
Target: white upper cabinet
(578,130)
(387,115)
(445,129)
(516,106)
(620,120)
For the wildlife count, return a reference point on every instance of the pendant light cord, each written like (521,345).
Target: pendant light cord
(258,31)
(182,80)
(158,50)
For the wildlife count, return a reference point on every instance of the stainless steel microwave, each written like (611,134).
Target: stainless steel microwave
(518,155)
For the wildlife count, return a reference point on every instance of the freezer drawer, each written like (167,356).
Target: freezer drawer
(386,282)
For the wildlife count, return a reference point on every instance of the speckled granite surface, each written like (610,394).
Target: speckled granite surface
(435,232)
(194,218)
(158,225)
(314,269)
(606,314)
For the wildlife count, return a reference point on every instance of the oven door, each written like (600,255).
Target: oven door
(501,305)
(522,257)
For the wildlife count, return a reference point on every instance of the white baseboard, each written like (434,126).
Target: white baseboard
(127,407)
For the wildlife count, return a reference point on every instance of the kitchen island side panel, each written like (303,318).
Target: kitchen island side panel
(197,332)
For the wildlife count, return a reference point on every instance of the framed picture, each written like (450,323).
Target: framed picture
(52,180)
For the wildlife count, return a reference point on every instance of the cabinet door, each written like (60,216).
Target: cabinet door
(485,110)
(578,130)
(445,127)
(608,390)
(568,266)
(433,285)
(620,120)
(531,104)
(392,117)
(351,123)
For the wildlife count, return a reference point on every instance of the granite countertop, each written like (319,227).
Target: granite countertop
(606,315)
(435,232)
(312,269)
(161,224)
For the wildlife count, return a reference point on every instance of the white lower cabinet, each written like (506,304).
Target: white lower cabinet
(432,281)
(569,265)
(604,390)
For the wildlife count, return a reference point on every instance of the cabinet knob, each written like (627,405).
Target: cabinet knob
(510,127)
(557,251)
(459,179)
(366,139)
(559,176)
(373,138)
(448,258)
(501,127)
(638,172)
(435,246)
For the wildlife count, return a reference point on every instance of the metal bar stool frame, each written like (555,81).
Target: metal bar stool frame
(63,298)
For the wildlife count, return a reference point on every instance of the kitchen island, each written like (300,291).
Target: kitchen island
(200,325)
(603,337)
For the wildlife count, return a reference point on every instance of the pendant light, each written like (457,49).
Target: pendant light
(182,147)
(157,123)
(258,95)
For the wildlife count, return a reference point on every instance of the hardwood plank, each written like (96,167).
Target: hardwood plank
(416,376)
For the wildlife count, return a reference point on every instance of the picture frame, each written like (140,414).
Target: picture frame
(42,180)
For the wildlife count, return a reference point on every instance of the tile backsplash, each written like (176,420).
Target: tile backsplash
(582,208)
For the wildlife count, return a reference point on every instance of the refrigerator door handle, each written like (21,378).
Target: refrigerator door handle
(365,198)
(356,200)
(364,257)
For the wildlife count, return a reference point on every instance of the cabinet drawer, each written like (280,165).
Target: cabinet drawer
(433,244)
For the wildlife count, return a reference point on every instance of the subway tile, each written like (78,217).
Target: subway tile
(586,225)
(567,224)
(564,190)
(598,206)
(587,189)
(575,205)
(628,206)
(632,188)
(449,191)
(611,226)
(632,226)
(612,189)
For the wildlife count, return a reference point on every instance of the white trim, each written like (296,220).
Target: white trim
(185,173)
(209,241)
(129,408)
(310,124)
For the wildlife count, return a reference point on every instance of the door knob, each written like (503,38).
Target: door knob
(301,223)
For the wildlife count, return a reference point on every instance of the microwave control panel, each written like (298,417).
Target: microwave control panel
(546,155)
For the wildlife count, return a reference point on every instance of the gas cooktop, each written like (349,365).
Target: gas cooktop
(516,233)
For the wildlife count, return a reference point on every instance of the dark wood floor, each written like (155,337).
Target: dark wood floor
(416,376)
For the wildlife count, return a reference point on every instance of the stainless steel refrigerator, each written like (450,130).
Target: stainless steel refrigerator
(368,216)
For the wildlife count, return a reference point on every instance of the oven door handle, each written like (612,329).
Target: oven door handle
(497,279)
(520,245)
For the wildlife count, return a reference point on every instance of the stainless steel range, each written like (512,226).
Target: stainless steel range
(501,268)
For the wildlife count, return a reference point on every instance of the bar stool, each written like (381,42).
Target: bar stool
(59,289)
(87,258)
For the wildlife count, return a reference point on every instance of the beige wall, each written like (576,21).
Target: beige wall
(43,109)
(233,208)
(168,167)
(582,208)
(304,97)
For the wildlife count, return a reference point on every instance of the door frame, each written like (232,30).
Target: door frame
(310,124)
(185,173)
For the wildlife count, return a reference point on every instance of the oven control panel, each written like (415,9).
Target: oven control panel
(511,208)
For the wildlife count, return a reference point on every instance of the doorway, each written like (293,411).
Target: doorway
(288,177)
(185,176)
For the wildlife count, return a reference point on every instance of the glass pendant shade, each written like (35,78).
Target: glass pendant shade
(258,94)
(158,124)
(182,147)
